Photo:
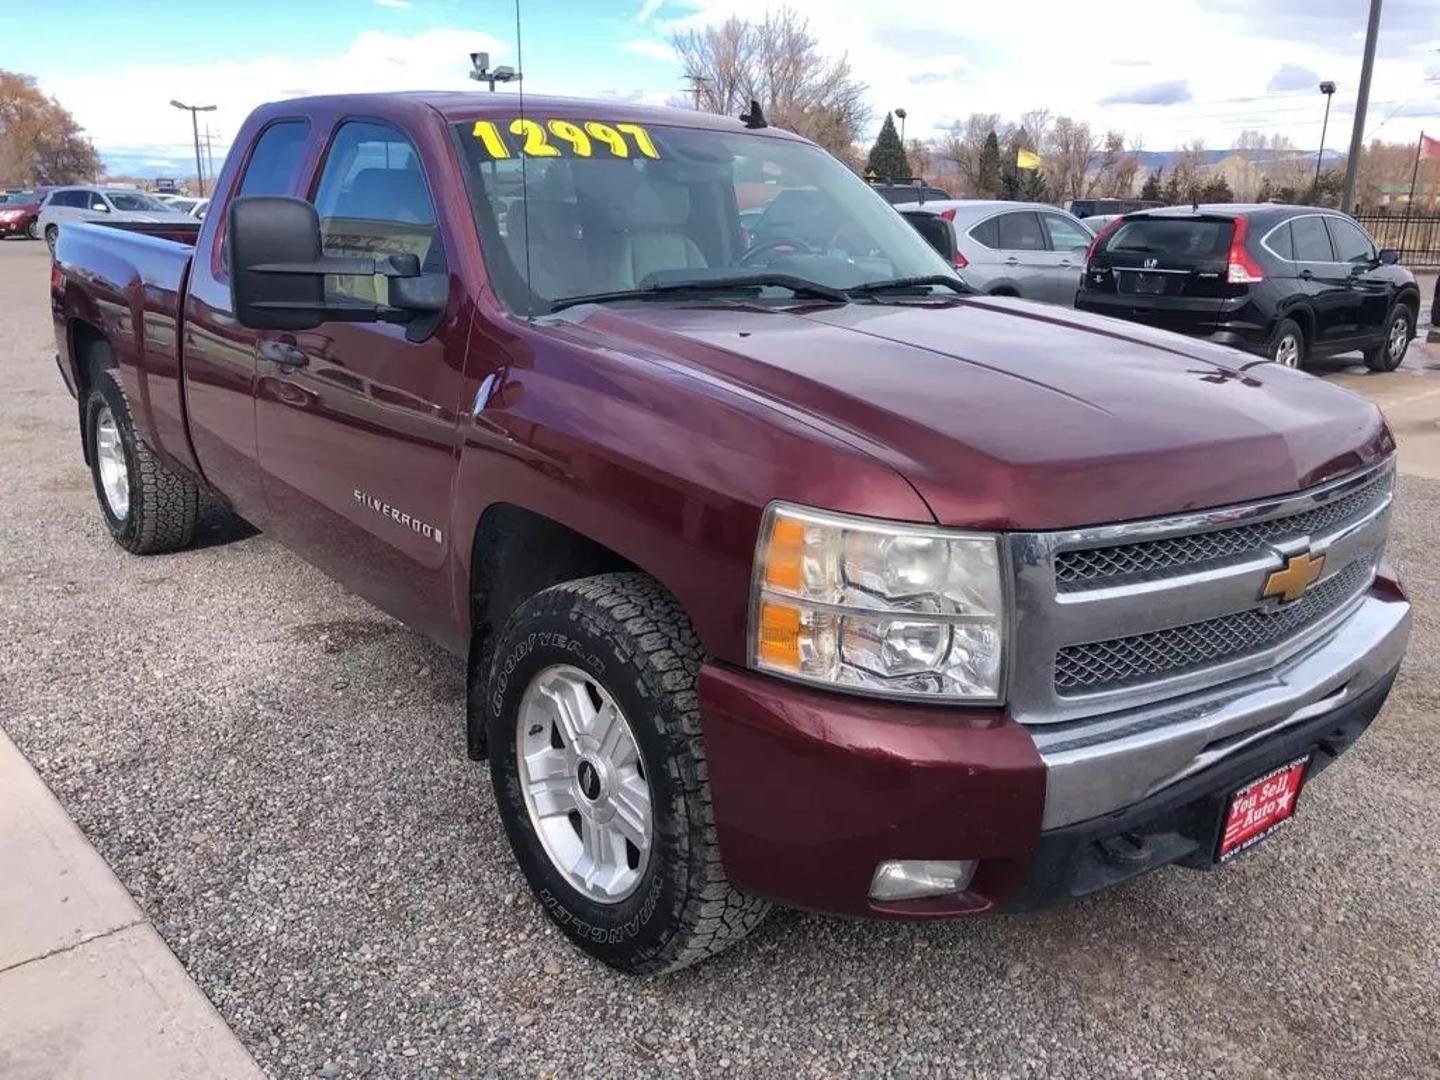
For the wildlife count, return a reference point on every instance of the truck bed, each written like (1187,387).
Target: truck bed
(129,279)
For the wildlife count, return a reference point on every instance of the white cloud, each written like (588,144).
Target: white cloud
(648,8)
(403,5)
(651,49)
(129,109)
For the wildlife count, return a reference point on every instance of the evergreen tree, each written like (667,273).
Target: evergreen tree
(1267,191)
(1010,183)
(1172,193)
(1152,189)
(1033,187)
(989,180)
(1217,190)
(887,157)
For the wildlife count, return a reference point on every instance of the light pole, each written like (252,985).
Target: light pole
(901,114)
(1328,89)
(194,111)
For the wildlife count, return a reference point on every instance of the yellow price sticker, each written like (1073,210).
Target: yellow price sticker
(562,138)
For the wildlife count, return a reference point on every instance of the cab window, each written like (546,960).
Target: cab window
(373,201)
(1064,234)
(276,159)
(1312,243)
(1020,231)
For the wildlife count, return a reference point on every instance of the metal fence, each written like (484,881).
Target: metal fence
(1417,238)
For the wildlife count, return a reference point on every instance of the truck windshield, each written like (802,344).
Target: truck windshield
(572,208)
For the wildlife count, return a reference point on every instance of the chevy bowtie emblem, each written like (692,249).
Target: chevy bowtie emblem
(1299,572)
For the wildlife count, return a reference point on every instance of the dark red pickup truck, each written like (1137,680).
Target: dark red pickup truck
(785,568)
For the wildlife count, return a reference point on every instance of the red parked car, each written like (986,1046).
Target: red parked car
(20,214)
(785,569)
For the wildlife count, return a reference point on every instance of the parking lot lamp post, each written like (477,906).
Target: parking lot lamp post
(194,111)
(1328,89)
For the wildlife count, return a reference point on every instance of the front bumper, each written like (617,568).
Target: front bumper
(812,790)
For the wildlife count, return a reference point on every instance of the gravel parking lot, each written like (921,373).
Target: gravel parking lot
(276,771)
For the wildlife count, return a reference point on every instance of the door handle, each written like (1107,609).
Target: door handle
(1012,261)
(282,353)
(1306,275)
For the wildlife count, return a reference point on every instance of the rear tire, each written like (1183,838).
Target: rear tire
(576,664)
(52,234)
(33,229)
(1287,345)
(1399,328)
(148,508)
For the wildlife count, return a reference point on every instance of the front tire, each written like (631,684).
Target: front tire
(1399,328)
(600,774)
(33,229)
(1287,345)
(148,508)
(52,236)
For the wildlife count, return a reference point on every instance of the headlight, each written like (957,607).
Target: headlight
(878,607)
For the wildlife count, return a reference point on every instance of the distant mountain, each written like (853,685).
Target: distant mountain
(1151,160)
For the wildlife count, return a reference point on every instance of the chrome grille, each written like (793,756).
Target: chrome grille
(1108,665)
(1089,566)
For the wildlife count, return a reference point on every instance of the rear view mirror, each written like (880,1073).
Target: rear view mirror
(278,269)
(1389,256)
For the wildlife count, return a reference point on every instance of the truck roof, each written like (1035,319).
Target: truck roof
(456,106)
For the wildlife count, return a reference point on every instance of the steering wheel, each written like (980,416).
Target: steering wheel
(800,246)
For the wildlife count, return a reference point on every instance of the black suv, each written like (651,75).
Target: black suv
(1286,282)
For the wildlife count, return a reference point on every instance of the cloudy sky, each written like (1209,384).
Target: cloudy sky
(1166,70)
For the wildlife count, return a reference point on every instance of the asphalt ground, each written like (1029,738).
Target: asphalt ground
(276,772)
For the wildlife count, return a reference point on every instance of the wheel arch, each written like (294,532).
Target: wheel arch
(91,352)
(515,553)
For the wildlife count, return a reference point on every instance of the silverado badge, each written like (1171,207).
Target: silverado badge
(1299,572)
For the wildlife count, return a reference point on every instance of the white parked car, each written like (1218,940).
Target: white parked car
(198,210)
(102,204)
(184,203)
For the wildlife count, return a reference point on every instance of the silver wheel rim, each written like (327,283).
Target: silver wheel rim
(1287,352)
(584,783)
(33,230)
(110,456)
(1399,337)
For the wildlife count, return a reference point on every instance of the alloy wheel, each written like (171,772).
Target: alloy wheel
(1399,338)
(584,783)
(110,456)
(1287,351)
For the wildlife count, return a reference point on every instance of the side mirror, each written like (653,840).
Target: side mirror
(1389,256)
(935,230)
(278,269)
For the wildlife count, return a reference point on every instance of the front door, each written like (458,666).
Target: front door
(356,422)
(1023,253)
(1370,281)
(1068,242)
(1326,281)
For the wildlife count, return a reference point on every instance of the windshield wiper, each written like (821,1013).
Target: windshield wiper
(749,283)
(909,284)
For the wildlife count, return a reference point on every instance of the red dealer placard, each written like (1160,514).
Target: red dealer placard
(1261,807)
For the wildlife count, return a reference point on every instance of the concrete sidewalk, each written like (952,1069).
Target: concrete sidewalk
(87,987)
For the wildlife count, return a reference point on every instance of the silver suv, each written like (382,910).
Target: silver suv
(1013,248)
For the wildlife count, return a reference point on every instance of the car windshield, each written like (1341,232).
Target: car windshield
(136,201)
(596,208)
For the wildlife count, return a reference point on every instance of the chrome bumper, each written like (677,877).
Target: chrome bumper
(1101,764)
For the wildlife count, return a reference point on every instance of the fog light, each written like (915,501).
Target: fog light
(910,879)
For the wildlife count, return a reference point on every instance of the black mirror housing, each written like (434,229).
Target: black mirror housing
(935,230)
(1388,256)
(269,230)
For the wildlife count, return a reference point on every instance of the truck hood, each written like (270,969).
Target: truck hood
(1006,414)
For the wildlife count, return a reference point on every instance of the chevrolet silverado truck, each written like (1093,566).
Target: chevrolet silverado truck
(786,569)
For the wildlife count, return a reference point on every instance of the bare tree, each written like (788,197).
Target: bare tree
(964,142)
(40,143)
(1187,168)
(1070,152)
(778,63)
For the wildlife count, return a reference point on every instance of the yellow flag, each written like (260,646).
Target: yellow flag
(1027,159)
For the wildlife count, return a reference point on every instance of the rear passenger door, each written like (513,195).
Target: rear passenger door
(1324,280)
(357,422)
(1024,254)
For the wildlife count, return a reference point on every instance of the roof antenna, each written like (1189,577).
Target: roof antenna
(524,179)
(754,118)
